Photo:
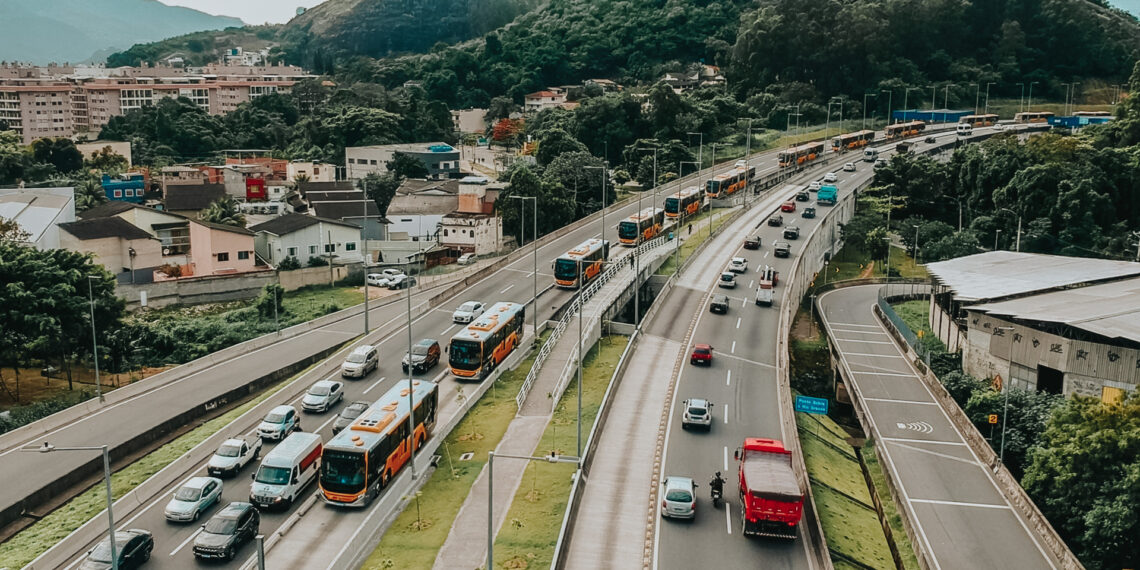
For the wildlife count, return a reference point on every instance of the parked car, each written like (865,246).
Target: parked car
(279,422)
(425,354)
(348,414)
(233,454)
(697,412)
(377,280)
(752,242)
(830,177)
(702,354)
(802,196)
(322,396)
(738,265)
(776,220)
(401,282)
(782,249)
(849,167)
(193,497)
(814,186)
(791,232)
(133,547)
(233,526)
(468,312)
(466,259)
(359,362)
(719,304)
(789,206)
(808,212)
(678,497)
(391,273)
(727,280)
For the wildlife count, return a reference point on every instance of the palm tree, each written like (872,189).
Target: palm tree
(224,211)
(88,194)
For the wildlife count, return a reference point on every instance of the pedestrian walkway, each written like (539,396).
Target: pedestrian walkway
(466,546)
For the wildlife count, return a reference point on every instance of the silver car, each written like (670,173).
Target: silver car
(322,396)
(192,498)
(468,312)
(678,498)
(698,413)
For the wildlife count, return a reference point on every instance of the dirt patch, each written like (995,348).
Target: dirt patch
(35,387)
(802,327)
(868,271)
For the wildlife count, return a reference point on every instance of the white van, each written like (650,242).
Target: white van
(871,155)
(286,470)
(965,129)
(359,362)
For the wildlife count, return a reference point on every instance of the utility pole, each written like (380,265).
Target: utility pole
(987,107)
(977,95)
(1029,106)
(1021,102)
(865,95)
(890,99)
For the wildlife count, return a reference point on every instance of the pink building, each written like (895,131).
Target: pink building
(217,249)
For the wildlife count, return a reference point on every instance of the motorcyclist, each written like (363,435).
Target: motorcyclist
(717,484)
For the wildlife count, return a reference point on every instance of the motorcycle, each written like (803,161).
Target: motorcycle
(716,495)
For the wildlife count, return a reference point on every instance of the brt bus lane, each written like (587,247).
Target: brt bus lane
(173,542)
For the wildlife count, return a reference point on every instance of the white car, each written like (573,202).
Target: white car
(466,259)
(849,167)
(377,280)
(815,186)
(727,280)
(738,265)
(468,312)
(322,396)
(678,498)
(195,496)
(830,177)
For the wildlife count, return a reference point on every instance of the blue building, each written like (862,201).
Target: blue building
(1078,121)
(929,115)
(128,187)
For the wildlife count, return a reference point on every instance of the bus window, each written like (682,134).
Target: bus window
(465,353)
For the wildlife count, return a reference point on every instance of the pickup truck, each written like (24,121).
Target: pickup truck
(233,454)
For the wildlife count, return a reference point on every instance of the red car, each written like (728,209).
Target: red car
(789,206)
(702,354)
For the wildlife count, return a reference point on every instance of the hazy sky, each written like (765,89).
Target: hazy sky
(250,11)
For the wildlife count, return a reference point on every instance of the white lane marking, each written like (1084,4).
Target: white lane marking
(872,373)
(727,515)
(531,274)
(960,504)
(744,301)
(188,539)
(903,439)
(766,255)
(752,362)
(327,422)
(728,379)
(900,401)
(751,284)
(374,384)
(511,286)
(969,462)
(738,322)
(839,330)
(448,330)
(863,341)
(858,325)
(726,423)
(733,349)
(875,355)
(725,458)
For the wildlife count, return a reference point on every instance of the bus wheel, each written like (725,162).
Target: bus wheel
(384,479)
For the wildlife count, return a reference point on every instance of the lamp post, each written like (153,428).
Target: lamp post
(491,455)
(534,238)
(827,122)
(977,95)
(945,100)
(888,267)
(48,448)
(987,107)
(865,95)
(915,243)
(890,99)
(1017,246)
(700,150)
(997,234)
(411,369)
(1005,393)
(605,168)
(1021,102)
(906,97)
(94,339)
(655,182)
(713,165)
(363,238)
(681,216)
(1029,105)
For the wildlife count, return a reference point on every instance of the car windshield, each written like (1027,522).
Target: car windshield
(465,353)
(229,451)
(319,391)
(419,350)
(273,475)
(679,495)
(627,230)
(275,418)
(355,358)
(671,205)
(467,307)
(102,551)
(726,277)
(694,411)
(219,525)
(702,351)
(188,494)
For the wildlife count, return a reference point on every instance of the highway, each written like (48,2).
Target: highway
(961,517)
(325,533)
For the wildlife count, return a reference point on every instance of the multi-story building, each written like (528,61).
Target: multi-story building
(60,101)
(440,159)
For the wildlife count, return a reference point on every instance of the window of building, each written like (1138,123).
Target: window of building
(243,255)
(444,235)
(373,162)
(312,250)
(350,246)
(224,256)
(350,161)
(292,253)
(118,193)
(330,247)
(316,171)
(130,193)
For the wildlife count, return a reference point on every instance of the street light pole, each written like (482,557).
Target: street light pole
(1029,106)
(977,95)
(1017,246)
(605,171)
(411,369)
(987,107)
(865,95)
(906,97)
(945,100)
(681,215)
(710,176)
(534,239)
(997,234)
(364,239)
(915,243)
(1005,391)
(48,448)
(890,99)
(94,340)
(1021,102)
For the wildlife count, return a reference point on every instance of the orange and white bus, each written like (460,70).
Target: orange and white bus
(685,202)
(358,462)
(851,141)
(901,130)
(582,264)
(644,225)
(800,154)
(977,121)
(481,346)
(1033,117)
(728,183)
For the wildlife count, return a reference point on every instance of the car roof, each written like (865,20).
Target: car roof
(326,383)
(728,273)
(358,404)
(197,482)
(699,402)
(466,303)
(703,346)
(363,348)
(739,259)
(282,409)
(675,482)
(427,342)
(234,510)
(720,297)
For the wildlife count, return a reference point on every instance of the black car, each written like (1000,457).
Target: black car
(809,212)
(931,140)
(782,249)
(776,220)
(719,304)
(349,413)
(227,531)
(132,546)
(425,355)
(402,282)
(791,232)
(752,242)
(803,196)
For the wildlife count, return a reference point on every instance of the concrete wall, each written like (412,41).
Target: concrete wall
(197,290)
(293,280)
(114,252)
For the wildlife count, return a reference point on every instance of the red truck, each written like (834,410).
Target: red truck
(769,491)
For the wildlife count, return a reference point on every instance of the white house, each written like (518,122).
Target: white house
(302,237)
(473,227)
(39,212)
(314,171)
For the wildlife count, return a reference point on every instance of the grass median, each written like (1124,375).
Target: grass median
(414,539)
(530,531)
(694,240)
(33,541)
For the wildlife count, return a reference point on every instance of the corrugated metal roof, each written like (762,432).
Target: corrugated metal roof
(998,274)
(1111,310)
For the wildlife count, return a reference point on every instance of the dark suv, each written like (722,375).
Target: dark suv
(791,232)
(776,220)
(227,531)
(719,304)
(424,355)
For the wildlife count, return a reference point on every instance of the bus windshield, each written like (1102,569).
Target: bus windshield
(466,354)
(565,269)
(342,471)
(671,205)
(627,230)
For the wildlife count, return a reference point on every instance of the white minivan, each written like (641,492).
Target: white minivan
(286,470)
(965,129)
(359,362)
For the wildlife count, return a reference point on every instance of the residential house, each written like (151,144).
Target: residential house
(190,199)
(177,175)
(546,99)
(312,171)
(607,85)
(39,212)
(301,237)
(125,250)
(217,249)
(440,159)
(359,211)
(129,187)
(171,230)
(697,75)
(473,227)
(419,206)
